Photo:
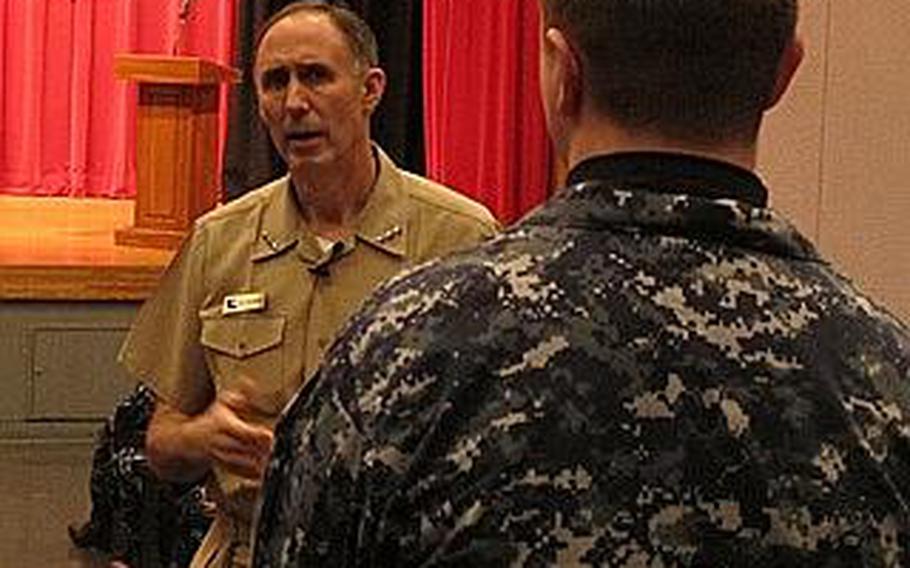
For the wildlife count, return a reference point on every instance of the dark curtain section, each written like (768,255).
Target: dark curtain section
(485,128)
(398,125)
(250,159)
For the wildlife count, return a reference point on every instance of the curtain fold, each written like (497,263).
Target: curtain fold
(68,126)
(398,123)
(484,123)
(249,158)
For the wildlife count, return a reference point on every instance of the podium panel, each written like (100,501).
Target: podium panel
(176,144)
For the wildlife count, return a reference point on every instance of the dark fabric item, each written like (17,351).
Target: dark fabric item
(249,157)
(625,378)
(674,173)
(250,160)
(398,123)
(135,517)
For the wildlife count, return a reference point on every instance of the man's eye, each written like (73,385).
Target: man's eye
(313,75)
(275,79)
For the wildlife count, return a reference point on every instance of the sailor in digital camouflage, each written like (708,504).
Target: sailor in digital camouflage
(653,369)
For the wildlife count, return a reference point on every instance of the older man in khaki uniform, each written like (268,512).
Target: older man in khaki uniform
(261,285)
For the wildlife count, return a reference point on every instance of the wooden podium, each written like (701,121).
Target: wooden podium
(176,144)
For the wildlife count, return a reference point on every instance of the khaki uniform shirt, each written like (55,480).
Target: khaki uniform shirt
(253,293)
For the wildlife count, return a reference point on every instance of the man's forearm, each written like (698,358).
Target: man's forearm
(183,448)
(173,445)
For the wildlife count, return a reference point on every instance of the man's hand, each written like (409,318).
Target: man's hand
(234,441)
(183,448)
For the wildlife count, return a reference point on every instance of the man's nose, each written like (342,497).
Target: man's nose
(298,99)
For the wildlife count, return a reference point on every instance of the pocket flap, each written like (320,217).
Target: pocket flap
(242,337)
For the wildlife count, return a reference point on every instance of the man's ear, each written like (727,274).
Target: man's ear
(566,79)
(257,96)
(259,110)
(374,82)
(790,60)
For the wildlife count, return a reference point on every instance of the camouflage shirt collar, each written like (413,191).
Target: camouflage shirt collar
(662,172)
(709,202)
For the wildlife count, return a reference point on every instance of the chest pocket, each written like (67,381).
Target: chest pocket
(251,348)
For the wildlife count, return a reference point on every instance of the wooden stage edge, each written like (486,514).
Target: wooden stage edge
(62,249)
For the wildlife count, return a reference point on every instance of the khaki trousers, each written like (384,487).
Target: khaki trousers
(226,545)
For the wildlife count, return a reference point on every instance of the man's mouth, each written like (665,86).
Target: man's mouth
(303,136)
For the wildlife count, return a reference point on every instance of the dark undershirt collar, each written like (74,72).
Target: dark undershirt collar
(665,172)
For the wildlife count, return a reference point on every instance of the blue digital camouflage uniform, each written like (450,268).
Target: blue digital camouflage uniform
(651,370)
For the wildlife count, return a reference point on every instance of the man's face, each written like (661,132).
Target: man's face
(314,98)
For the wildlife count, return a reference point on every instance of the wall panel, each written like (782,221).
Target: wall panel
(865,205)
(836,152)
(790,148)
(59,364)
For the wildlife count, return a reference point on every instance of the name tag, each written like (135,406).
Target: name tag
(242,303)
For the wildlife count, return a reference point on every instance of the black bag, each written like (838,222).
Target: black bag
(136,517)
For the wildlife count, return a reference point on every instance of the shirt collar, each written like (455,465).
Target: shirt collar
(280,224)
(383,221)
(382,225)
(663,172)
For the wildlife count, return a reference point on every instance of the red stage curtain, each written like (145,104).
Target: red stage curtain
(67,124)
(485,129)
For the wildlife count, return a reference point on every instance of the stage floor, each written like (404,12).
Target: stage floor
(55,248)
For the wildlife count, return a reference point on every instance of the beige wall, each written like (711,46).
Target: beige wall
(836,152)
